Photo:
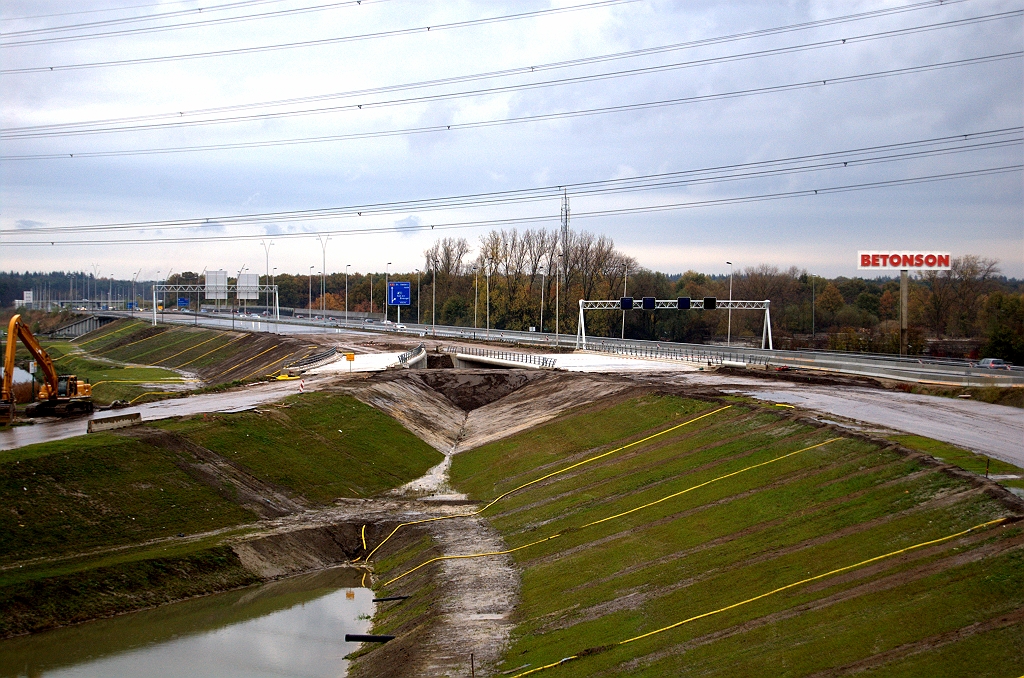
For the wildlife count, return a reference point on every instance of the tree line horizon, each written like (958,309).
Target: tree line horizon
(969,311)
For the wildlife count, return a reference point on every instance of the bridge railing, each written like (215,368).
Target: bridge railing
(511,356)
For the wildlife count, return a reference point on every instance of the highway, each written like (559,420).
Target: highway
(923,369)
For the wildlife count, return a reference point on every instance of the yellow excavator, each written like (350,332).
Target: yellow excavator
(60,395)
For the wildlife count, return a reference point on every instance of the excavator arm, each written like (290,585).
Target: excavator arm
(18,330)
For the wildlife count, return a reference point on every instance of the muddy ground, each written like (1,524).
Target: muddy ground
(453,411)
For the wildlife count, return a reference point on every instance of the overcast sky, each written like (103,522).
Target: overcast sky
(980,214)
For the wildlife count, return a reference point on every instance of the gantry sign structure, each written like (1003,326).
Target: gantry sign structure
(219,292)
(680,304)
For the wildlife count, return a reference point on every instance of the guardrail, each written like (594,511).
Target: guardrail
(881,366)
(685,353)
(408,355)
(314,360)
(511,356)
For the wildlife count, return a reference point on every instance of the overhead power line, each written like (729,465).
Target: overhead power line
(107,10)
(977,141)
(276,14)
(540,117)
(960,143)
(99,127)
(514,71)
(326,41)
(551,218)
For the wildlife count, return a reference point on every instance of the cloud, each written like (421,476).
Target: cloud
(408,226)
(977,216)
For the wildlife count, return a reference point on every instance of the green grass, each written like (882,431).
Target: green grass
(90,524)
(118,588)
(965,459)
(111,380)
(100,490)
(322,446)
(774,521)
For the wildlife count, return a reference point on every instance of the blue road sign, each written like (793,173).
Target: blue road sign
(182,302)
(399,293)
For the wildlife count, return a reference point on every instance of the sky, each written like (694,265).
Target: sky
(747,100)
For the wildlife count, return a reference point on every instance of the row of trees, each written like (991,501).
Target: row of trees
(964,312)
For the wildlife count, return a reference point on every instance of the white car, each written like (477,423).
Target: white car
(400,326)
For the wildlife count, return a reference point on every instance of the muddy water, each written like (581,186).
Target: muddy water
(295,627)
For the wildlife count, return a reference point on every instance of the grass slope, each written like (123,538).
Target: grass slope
(104,510)
(319,445)
(922,613)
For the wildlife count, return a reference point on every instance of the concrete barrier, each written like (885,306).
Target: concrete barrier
(115,422)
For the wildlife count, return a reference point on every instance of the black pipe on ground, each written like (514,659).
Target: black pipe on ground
(361,638)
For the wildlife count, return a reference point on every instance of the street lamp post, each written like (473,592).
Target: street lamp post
(487,276)
(542,271)
(167,281)
(266,252)
(309,306)
(417,296)
(476,295)
(433,302)
(556,303)
(237,280)
(387,270)
(347,266)
(134,298)
(625,277)
(728,335)
(199,303)
(812,309)
(323,280)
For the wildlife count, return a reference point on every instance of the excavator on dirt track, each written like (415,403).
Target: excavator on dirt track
(60,394)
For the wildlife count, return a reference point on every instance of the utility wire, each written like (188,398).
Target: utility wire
(745,171)
(230,5)
(549,218)
(168,27)
(501,73)
(96,127)
(1009,135)
(325,41)
(540,117)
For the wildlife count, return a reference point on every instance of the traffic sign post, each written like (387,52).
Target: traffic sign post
(399,295)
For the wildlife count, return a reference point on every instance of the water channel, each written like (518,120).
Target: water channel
(294,627)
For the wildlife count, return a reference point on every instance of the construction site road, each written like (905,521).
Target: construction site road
(995,430)
(226,401)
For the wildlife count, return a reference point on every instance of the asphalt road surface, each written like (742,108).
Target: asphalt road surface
(995,430)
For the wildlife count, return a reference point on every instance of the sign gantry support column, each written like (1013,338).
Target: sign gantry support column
(682,304)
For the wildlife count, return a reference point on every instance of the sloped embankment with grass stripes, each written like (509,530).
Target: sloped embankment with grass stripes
(743,543)
(216,356)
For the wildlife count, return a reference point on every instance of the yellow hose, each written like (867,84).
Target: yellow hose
(617,515)
(555,473)
(773,592)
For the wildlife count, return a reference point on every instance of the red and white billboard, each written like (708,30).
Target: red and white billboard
(888,260)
